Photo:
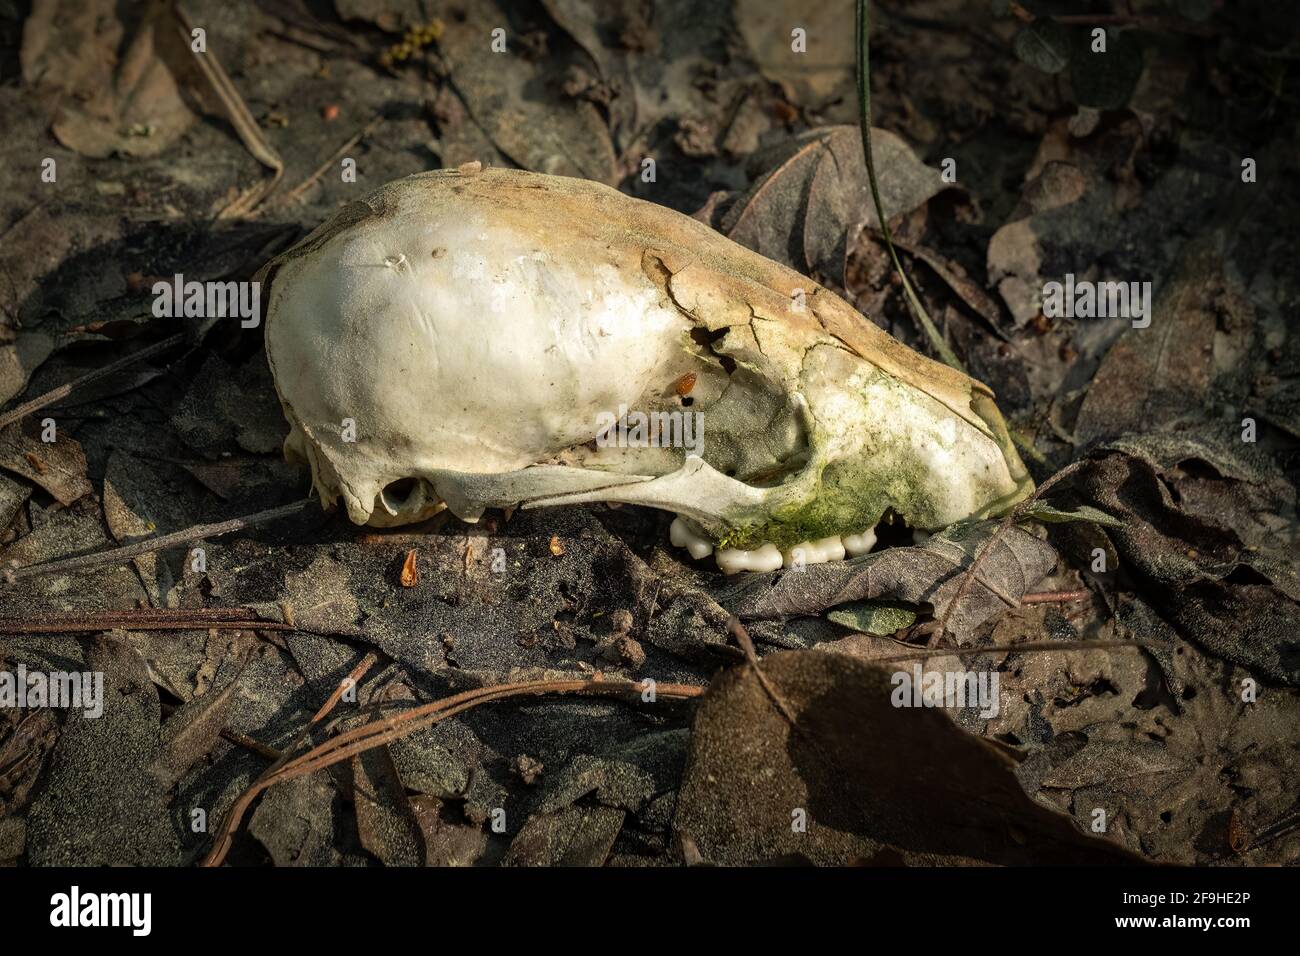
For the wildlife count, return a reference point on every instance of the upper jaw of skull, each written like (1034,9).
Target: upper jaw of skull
(716,503)
(384,492)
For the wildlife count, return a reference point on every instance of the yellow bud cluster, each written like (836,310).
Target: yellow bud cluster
(413,40)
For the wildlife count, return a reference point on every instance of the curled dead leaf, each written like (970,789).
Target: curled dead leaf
(811,195)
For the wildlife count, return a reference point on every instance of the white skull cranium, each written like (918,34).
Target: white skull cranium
(465,338)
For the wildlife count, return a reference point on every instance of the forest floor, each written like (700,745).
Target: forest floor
(1012,153)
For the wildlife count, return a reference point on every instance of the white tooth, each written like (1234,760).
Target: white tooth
(766,558)
(681,535)
(856,544)
(919,536)
(814,552)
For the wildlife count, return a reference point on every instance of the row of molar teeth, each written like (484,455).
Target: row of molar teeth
(767,557)
(814,552)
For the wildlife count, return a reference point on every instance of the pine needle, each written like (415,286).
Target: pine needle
(919,315)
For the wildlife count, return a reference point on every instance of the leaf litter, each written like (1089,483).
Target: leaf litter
(1129,699)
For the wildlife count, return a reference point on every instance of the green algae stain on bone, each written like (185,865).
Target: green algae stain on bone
(841,503)
(886,470)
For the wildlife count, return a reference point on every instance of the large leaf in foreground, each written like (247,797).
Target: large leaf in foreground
(876,783)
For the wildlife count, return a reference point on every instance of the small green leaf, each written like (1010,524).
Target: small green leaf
(1044,45)
(877,618)
(1041,511)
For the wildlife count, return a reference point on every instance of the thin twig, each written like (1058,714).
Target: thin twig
(250,134)
(150,545)
(1287,824)
(382,731)
(737,630)
(161,613)
(353,678)
(919,315)
(227,833)
(1153,24)
(63,391)
(143,619)
(1025,648)
(1055,597)
(1010,519)
(296,193)
(248,743)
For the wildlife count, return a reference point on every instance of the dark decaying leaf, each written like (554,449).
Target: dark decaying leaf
(300,821)
(955,277)
(626,776)
(1162,374)
(449,839)
(1044,45)
(1105,80)
(867,775)
(1068,221)
(58,466)
(1207,532)
(227,409)
(19,359)
(811,196)
(518,104)
(26,739)
(192,732)
(574,836)
(392,16)
(928,574)
(13,495)
(386,820)
(99,806)
(141,498)
(635,77)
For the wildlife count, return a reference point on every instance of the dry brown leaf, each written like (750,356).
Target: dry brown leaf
(58,466)
(811,196)
(861,774)
(106,103)
(823,75)
(386,821)
(526,117)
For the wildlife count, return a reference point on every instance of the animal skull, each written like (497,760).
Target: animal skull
(467,338)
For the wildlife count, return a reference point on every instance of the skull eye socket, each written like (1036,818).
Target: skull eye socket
(397,494)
